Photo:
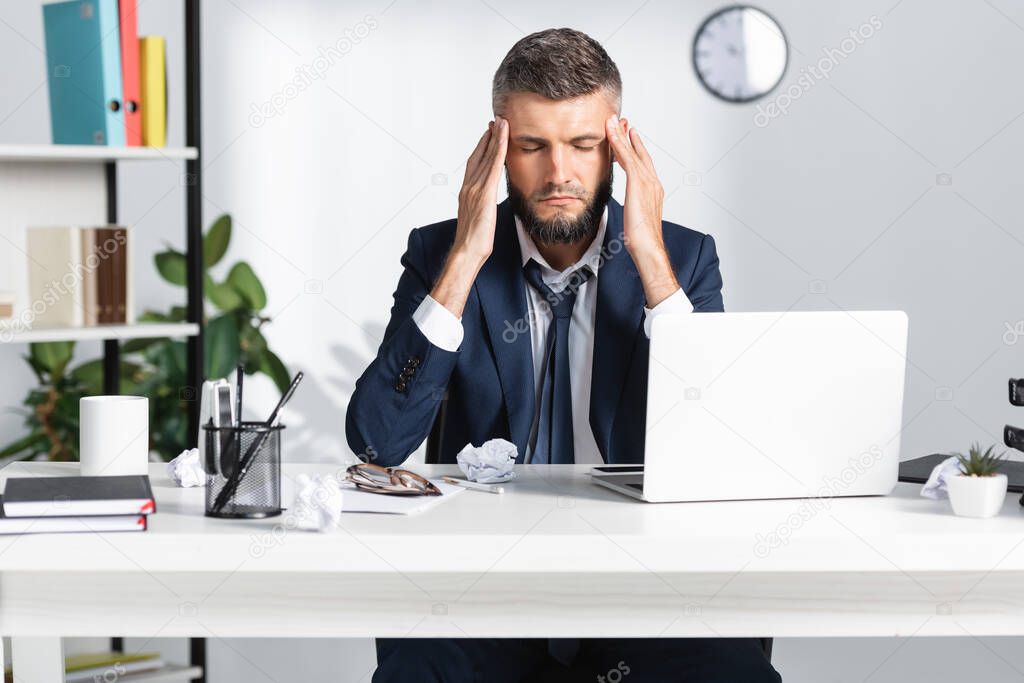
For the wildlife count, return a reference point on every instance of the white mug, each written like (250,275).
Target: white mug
(113,435)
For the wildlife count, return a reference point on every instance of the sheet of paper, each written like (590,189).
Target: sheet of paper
(354,500)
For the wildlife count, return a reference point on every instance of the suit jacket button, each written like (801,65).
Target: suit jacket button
(400,386)
(414,361)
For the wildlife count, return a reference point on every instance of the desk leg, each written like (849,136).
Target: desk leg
(197,656)
(37,660)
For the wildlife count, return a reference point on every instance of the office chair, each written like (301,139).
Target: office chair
(433,457)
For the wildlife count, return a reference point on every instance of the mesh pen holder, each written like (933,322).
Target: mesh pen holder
(258,493)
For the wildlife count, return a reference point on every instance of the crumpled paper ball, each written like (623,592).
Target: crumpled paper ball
(317,505)
(489,463)
(186,470)
(935,487)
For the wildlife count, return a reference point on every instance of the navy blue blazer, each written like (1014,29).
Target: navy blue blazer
(488,383)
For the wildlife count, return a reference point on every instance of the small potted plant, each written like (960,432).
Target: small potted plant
(980,489)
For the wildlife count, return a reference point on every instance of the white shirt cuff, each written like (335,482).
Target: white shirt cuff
(439,325)
(675,303)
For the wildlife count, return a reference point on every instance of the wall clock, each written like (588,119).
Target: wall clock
(740,53)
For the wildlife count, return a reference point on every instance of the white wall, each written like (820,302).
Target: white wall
(837,204)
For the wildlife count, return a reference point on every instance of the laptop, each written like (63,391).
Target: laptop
(744,406)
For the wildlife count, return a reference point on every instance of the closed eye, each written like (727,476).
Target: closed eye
(582,148)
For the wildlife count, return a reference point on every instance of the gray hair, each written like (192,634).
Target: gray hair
(559,64)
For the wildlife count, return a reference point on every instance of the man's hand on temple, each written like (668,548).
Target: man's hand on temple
(642,212)
(478,214)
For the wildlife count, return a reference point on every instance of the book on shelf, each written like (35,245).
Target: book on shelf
(90,293)
(153,89)
(54,265)
(125,300)
(104,666)
(109,272)
(80,276)
(83,64)
(7,300)
(129,33)
(104,278)
(108,666)
(107,85)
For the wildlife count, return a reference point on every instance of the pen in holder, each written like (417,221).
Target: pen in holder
(258,492)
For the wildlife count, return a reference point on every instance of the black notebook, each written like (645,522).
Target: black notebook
(78,496)
(916,471)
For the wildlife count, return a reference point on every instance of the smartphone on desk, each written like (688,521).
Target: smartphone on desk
(618,469)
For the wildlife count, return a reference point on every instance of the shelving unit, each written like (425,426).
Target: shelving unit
(93,153)
(167,674)
(84,177)
(99,332)
(170,673)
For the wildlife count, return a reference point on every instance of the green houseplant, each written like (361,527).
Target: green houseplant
(979,489)
(155,367)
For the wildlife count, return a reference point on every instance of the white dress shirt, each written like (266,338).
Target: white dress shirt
(443,329)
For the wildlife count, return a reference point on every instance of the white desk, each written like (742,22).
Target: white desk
(555,555)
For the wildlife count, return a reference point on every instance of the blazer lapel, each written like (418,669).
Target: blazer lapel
(501,287)
(620,309)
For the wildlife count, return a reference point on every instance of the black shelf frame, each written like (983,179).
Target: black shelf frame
(193,182)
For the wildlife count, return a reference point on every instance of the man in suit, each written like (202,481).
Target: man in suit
(530,321)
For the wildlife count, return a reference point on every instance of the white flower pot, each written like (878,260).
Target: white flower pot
(977,496)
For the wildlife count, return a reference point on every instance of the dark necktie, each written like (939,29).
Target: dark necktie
(554,427)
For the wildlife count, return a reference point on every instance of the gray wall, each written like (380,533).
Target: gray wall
(893,183)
